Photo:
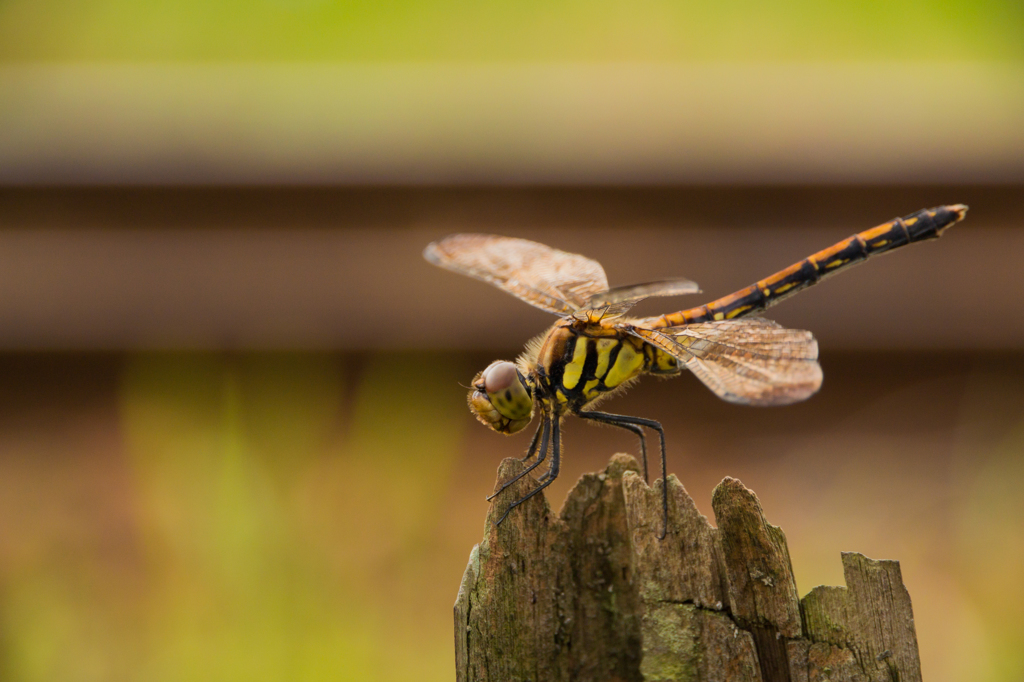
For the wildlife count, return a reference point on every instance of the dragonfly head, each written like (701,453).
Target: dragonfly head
(501,398)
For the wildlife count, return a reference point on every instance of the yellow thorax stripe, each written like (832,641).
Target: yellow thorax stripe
(604,353)
(627,365)
(574,369)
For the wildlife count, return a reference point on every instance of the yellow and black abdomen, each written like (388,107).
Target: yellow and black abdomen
(926,224)
(660,362)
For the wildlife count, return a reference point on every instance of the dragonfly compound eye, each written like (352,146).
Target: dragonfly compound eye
(500,399)
(499,377)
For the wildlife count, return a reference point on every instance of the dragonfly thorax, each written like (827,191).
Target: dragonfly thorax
(578,364)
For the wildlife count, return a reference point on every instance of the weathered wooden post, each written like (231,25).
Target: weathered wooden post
(592,594)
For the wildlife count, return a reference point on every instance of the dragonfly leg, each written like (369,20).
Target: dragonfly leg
(629,427)
(548,474)
(556,441)
(545,427)
(533,443)
(622,421)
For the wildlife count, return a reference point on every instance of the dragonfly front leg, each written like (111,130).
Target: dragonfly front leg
(630,423)
(533,443)
(543,431)
(552,474)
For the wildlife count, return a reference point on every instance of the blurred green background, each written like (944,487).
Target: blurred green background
(233,439)
(412,30)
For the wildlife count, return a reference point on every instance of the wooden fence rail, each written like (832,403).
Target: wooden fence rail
(592,594)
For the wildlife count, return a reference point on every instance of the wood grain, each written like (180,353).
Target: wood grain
(592,594)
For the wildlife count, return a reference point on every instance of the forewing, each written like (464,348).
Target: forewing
(749,362)
(550,279)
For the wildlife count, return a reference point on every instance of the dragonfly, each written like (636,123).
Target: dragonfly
(594,351)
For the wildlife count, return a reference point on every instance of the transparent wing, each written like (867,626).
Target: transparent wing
(750,362)
(552,280)
(618,301)
(634,293)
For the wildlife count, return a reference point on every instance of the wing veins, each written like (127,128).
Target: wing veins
(736,372)
(553,280)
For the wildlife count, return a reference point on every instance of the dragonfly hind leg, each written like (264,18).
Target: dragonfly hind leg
(631,423)
(549,477)
(632,428)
